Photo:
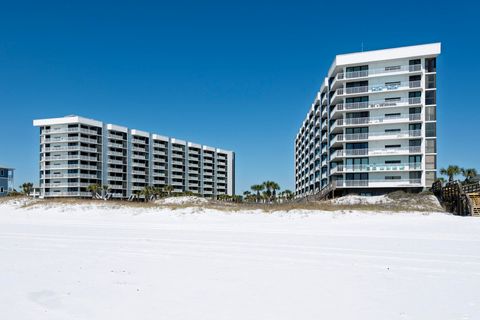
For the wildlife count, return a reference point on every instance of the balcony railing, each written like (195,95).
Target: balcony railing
(376,104)
(67,194)
(378,71)
(380,88)
(378,120)
(376,135)
(379,183)
(375,152)
(379,167)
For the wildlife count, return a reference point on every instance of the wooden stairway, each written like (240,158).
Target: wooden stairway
(474,203)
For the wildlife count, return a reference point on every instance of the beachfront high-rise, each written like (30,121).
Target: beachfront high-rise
(76,152)
(372,126)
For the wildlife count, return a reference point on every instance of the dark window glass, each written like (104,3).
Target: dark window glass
(430,130)
(356,130)
(431,64)
(415,94)
(431,81)
(357,68)
(357,176)
(431,97)
(357,84)
(388,146)
(414,62)
(392,161)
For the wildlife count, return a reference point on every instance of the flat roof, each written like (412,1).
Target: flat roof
(430,49)
(77,119)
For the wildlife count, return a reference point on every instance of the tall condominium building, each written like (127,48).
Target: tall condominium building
(372,126)
(76,152)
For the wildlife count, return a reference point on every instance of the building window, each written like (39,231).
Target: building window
(393,177)
(431,146)
(392,115)
(392,68)
(430,113)
(1,190)
(357,68)
(431,97)
(357,176)
(431,81)
(392,146)
(392,130)
(431,64)
(430,162)
(392,161)
(430,130)
(430,177)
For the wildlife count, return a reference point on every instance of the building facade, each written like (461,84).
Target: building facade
(76,152)
(6,180)
(372,126)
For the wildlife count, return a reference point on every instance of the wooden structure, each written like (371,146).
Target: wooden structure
(459,199)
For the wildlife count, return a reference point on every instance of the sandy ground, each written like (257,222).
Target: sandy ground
(92,262)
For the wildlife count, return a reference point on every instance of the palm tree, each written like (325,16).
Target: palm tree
(288,194)
(257,188)
(105,188)
(27,188)
(168,189)
(450,171)
(146,192)
(274,186)
(94,188)
(468,173)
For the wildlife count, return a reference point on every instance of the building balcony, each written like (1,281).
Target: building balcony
(140,149)
(375,104)
(378,167)
(352,91)
(386,71)
(69,148)
(113,161)
(115,178)
(117,170)
(406,134)
(115,137)
(67,194)
(116,145)
(376,120)
(66,157)
(378,183)
(70,130)
(70,176)
(116,153)
(139,157)
(337,154)
(68,166)
(67,185)
(138,180)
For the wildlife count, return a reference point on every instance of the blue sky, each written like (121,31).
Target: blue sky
(240,76)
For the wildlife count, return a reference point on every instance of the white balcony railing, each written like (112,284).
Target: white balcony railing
(377,88)
(378,71)
(376,104)
(374,152)
(379,183)
(376,136)
(378,167)
(378,120)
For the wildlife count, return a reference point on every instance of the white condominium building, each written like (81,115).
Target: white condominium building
(76,152)
(372,126)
